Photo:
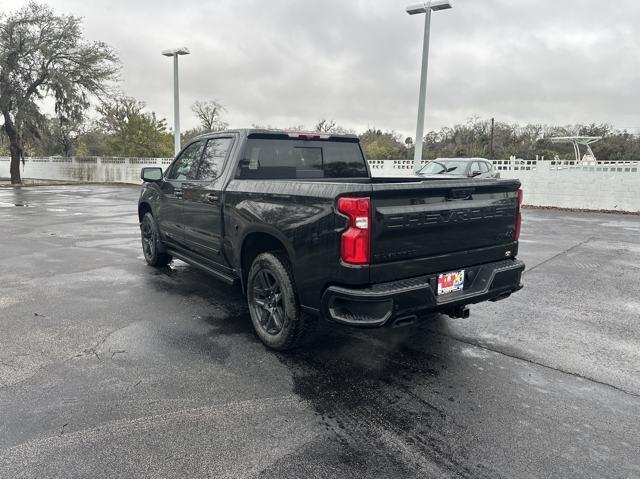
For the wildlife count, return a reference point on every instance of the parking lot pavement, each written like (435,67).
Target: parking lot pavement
(109,368)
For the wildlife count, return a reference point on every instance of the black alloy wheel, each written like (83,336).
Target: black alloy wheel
(273,303)
(148,238)
(267,302)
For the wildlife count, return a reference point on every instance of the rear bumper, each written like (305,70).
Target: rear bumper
(388,304)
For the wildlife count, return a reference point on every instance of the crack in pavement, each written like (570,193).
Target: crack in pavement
(534,362)
(47,366)
(35,446)
(561,253)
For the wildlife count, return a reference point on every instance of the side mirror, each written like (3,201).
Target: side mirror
(151,174)
(475,173)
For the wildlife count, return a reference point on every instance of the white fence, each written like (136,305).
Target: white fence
(392,167)
(600,185)
(90,169)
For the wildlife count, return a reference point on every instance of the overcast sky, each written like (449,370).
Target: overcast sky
(284,63)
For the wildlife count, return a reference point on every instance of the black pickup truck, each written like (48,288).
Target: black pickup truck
(298,221)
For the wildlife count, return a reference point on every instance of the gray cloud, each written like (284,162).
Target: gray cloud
(286,63)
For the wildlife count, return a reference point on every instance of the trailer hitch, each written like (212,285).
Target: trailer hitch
(459,312)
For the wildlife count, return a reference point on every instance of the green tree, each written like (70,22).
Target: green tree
(528,141)
(191,133)
(134,132)
(60,136)
(94,142)
(43,54)
(378,145)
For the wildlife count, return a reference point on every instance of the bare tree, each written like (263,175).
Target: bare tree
(209,114)
(44,54)
(325,126)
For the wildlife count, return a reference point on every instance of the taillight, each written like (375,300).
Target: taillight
(519,216)
(355,240)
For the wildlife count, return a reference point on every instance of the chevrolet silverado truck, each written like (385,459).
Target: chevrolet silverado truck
(298,222)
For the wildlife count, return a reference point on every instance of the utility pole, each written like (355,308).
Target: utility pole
(176,95)
(426,8)
(417,156)
(491,145)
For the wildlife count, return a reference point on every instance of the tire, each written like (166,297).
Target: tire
(273,303)
(150,241)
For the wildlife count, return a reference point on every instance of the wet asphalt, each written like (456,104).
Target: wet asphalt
(110,368)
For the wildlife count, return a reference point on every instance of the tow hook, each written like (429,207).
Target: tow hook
(459,312)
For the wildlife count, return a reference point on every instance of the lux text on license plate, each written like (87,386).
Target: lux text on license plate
(450,282)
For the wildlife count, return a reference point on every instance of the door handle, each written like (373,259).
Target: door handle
(212,197)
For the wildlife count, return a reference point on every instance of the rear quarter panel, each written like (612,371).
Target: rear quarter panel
(301,215)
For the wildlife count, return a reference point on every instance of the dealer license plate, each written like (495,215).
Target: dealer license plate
(450,282)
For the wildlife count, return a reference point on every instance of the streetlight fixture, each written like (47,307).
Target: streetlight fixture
(175,52)
(424,7)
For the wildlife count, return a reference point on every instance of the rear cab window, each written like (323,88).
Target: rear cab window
(282,157)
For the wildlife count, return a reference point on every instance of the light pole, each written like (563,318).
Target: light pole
(424,7)
(175,52)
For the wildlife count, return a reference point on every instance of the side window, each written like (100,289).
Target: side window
(213,158)
(184,168)
(475,166)
(485,167)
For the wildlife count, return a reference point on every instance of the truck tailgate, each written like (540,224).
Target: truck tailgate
(415,222)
